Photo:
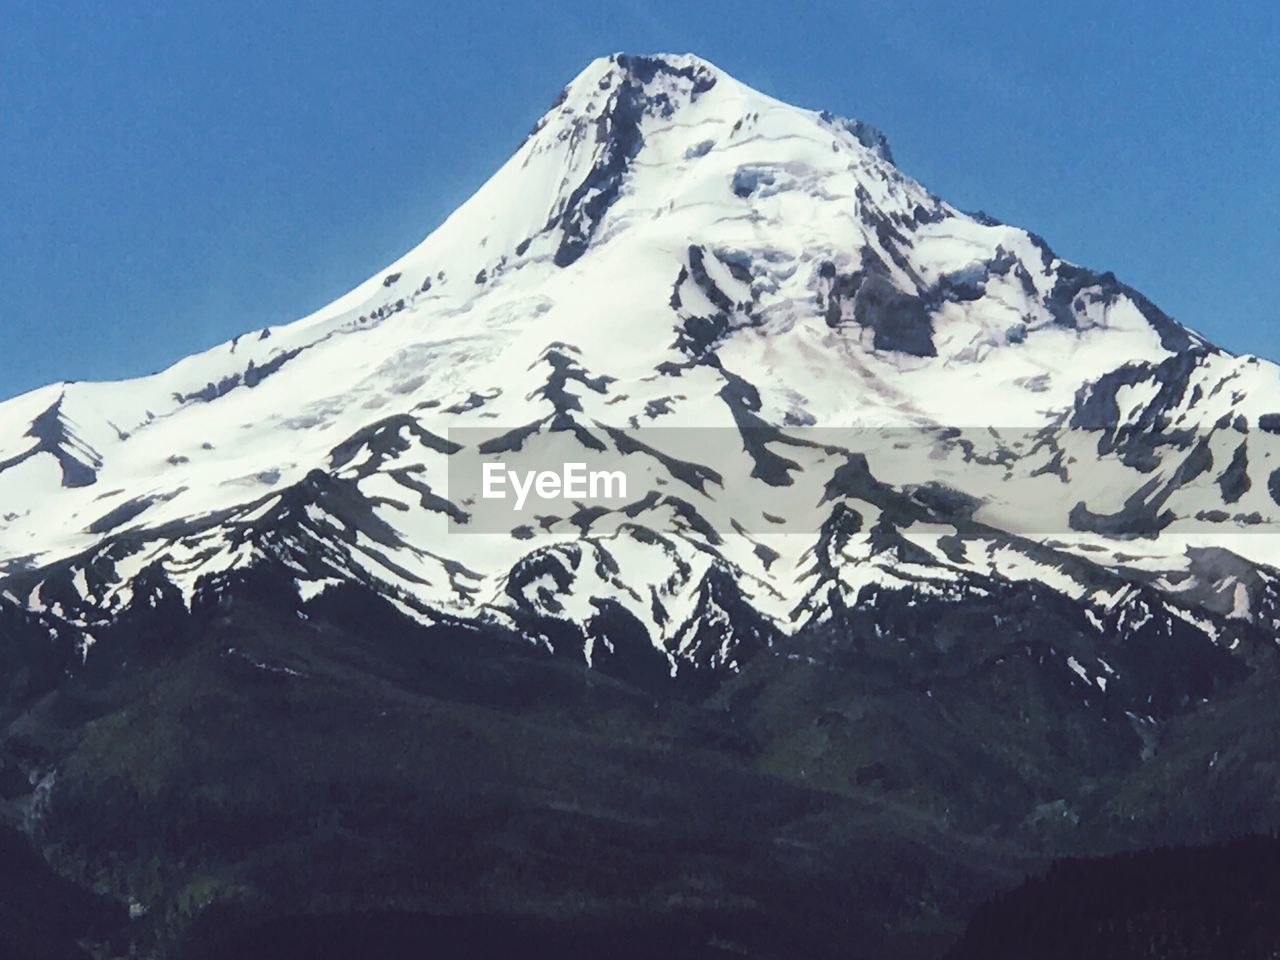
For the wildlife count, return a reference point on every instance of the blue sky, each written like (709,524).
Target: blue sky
(177,173)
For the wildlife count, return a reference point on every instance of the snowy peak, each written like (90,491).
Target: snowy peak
(621,89)
(606,110)
(671,249)
(626,111)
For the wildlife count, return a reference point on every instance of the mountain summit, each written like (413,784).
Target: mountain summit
(906,496)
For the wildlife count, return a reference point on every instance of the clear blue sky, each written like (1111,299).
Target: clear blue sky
(172,174)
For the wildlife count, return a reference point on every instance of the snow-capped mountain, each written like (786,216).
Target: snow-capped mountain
(837,395)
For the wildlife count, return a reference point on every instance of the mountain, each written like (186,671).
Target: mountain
(938,556)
